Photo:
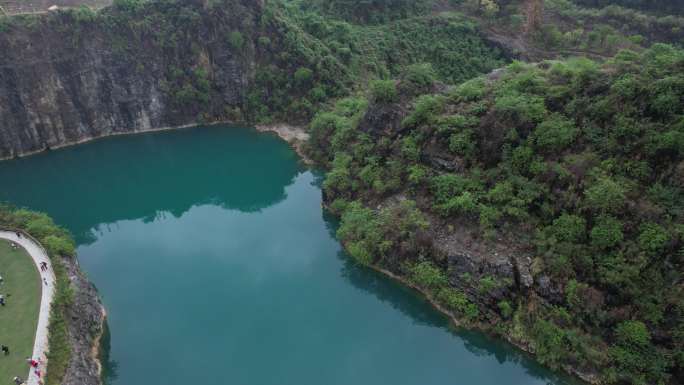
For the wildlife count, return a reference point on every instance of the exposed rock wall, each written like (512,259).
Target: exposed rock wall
(65,80)
(86,321)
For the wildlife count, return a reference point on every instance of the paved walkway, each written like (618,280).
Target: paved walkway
(38,255)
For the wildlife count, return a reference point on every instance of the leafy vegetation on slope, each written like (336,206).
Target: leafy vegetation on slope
(295,59)
(544,29)
(339,55)
(581,162)
(618,24)
(372,12)
(656,6)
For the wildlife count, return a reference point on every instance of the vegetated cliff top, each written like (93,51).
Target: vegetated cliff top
(76,74)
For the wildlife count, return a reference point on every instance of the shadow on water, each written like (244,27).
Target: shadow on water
(109,366)
(415,306)
(412,304)
(390,292)
(141,176)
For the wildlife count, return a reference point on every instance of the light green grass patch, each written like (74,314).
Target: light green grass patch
(19,316)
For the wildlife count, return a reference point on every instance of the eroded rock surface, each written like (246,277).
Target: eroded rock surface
(86,319)
(66,81)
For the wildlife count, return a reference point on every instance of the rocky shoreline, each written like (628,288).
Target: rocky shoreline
(477,257)
(296,136)
(86,325)
(93,138)
(586,377)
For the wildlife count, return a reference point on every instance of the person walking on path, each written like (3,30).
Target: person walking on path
(17,380)
(32,362)
(43,266)
(2,300)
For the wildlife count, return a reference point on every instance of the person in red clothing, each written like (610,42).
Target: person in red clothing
(32,362)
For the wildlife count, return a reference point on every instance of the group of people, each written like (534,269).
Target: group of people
(43,267)
(2,297)
(33,363)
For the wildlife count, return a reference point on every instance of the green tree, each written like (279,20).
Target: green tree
(505,308)
(457,301)
(427,108)
(463,143)
(410,149)
(550,342)
(569,228)
(236,40)
(653,237)
(56,245)
(303,77)
(607,232)
(605,195)
(360,231)
(428,276)
(634,355)
(384,91)
(521,108)
(419,78)
(555,133)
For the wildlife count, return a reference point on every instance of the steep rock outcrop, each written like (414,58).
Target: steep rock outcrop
(67,79)
(86,321)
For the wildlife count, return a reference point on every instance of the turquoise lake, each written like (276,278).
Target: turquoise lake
(217,265)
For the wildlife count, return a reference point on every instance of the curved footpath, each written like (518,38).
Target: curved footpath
(39,255)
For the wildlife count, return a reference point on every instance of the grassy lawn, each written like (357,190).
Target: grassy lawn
(19,317)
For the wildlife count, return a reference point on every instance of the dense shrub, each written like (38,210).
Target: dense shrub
(607,232)
(383,91)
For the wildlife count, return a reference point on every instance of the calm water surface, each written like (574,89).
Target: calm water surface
(218,266)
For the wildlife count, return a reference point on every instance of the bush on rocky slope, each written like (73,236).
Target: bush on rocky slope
(579,163)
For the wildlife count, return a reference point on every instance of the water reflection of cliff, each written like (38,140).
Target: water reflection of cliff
(109,366)
(414,305)
(141,176)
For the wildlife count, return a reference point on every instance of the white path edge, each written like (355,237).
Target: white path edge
(38,254)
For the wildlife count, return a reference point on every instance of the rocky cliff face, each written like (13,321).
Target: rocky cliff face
(72,76)
(86,321)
